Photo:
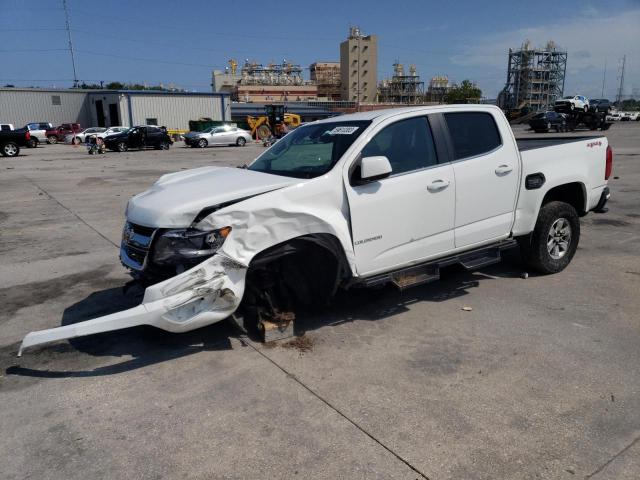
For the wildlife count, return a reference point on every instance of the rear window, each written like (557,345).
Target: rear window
(472,133)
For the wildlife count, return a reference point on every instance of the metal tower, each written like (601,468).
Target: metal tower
(535,78)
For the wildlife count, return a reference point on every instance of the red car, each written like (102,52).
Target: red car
(57,134)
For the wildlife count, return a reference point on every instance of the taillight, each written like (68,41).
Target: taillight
(608,169)
(27,136)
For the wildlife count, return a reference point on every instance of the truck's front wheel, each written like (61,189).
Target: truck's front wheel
(554,239)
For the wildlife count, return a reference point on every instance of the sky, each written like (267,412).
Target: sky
(178,43)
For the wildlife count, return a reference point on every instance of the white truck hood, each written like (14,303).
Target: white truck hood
(176,198)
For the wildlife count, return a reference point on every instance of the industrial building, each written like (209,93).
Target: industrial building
(438,88)
(326,75)
(402,88)
(104,108)
(359,67)
(535,78)
(225,82)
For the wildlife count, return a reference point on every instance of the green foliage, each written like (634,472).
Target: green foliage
(466,92)
(630,104)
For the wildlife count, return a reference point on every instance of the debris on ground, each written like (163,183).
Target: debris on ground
(302,344)
(467,309)
(524,275)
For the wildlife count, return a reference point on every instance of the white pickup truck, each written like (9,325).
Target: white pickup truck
(357,200)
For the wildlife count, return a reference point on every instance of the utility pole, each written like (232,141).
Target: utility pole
(604,75)
(621,87)
(73,59)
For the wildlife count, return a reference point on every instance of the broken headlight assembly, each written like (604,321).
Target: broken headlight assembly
(187,245)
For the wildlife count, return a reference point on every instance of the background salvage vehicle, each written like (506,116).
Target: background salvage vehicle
(220,135)
(58,134)
(139,137)
(571,103)
(388,196)
(80,137)
(12,140)
(38,132)
(545,121)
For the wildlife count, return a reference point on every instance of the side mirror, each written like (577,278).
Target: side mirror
(374,168)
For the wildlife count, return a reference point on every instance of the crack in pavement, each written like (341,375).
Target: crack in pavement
(608,462)
(290,375)
(82,220)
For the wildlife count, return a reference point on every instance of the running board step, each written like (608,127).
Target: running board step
(473,262)
(413,276)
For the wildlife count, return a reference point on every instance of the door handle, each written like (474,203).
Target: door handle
(503,170)
(438,185)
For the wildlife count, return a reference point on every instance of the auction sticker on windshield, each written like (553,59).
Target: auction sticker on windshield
(343,130)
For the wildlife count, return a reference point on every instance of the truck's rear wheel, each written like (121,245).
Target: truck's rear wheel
(9,149)
(32,143)
(554,239)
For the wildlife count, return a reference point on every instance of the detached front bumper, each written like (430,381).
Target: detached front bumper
(203,295)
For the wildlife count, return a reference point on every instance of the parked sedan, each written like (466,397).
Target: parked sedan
(83,135)
(222,135)
(545,121)
(140,137)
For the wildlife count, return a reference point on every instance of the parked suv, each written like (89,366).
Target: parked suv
(571,103)
(38,132)
(600,105)
(139,137)
(57,134)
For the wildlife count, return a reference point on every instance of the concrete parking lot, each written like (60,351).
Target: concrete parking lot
(539,380)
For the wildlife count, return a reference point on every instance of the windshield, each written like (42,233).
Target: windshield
(309,151)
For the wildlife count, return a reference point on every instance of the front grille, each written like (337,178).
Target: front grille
(136,242)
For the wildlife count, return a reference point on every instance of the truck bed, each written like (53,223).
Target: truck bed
(533,143)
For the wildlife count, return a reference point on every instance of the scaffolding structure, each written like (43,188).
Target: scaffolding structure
(327,76)
(402,88)
(285,73)
(535,78)
(438,88)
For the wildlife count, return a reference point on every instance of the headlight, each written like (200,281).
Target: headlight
(186,245)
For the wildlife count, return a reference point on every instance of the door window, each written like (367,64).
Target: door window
(472,133)
(408,144)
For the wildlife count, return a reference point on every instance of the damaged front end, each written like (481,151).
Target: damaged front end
(205,294)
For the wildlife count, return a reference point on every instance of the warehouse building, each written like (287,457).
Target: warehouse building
(105,108)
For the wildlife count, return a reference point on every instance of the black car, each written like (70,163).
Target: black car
(545,121)
(139,137)
(599,105)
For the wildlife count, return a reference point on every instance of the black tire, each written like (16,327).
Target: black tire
(52,139)
(548,126)
(9,149)
(202,143)
(121,147)
(241,142)
(163,146)
(545,252)
(32,143)
(586,109)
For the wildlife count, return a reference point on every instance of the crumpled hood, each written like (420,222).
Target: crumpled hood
(176,198)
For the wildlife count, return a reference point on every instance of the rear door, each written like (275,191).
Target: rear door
(408,216)
(486,174)
(154,136)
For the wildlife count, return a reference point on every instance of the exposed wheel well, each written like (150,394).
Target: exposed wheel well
(302,272)
(571,193)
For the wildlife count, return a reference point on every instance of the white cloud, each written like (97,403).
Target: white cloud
(589,40)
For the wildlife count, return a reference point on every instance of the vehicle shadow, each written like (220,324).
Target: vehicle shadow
(144,346)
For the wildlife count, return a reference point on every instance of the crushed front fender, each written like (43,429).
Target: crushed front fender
(203,295)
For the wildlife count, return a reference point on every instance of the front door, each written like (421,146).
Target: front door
(487,174)
(408,216)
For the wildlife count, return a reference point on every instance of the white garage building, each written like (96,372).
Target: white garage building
(105,108)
